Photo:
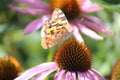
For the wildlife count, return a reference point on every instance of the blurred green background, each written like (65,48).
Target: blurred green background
(28,50)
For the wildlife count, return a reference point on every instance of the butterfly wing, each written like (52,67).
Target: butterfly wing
(55,29)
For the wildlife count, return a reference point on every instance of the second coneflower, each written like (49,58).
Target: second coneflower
(9,68)
(116,71)
(75,11)
(72,62)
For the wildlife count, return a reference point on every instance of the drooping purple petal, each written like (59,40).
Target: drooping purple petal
(76,33)
(96,75)
(60,75)
(35,25)
(82,76)
(34,4)
(97,28)
(42,69)
(70,76)
(89,32)
(99,22)
(91,76)
(87,6)
(29,11)
(95,20)
(42,76)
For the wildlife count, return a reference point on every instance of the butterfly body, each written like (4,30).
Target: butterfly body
(55,29)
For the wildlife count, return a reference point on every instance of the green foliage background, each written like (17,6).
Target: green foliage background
(28,50)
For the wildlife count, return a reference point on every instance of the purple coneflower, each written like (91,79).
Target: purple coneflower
(72,62)
(75,11)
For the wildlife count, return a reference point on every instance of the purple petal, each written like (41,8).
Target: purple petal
(90,75)
(82,76)
(43,75)
(76,33)
(70,76)
(89,32)
(35,25)
(29,11)
(99,22)
(96,75)
(87,6)
(95,20)
(34,3)
(60,75)
(42,70)
(96,27)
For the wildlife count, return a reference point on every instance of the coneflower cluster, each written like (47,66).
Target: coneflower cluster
(73,59)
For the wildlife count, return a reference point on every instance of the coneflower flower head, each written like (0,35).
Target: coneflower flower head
(9,68)
(116,71)
(76,11)
(71,8)
(72,62)
(73,56)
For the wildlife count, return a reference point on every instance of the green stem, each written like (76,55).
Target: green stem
(50,55)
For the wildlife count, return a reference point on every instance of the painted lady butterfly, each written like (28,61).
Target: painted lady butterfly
(55,29)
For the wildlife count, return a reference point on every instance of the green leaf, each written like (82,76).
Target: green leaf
(114,2)
(4,4)
(112,5)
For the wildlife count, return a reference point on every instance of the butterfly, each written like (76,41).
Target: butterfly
(55,29)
